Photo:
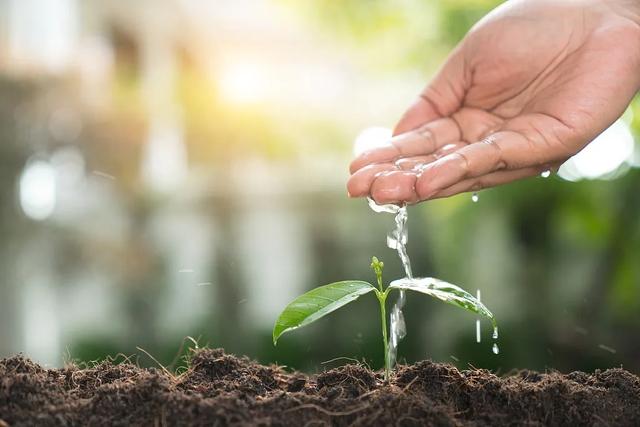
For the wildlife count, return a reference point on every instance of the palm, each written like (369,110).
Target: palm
(528,87)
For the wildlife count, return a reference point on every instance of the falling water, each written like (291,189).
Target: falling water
(478,337)
(495,349)
(397,239)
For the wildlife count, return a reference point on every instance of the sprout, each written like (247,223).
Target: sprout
(323,300)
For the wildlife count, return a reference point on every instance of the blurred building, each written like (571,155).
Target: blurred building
(179,170)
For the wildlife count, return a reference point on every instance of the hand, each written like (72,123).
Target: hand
(529,86)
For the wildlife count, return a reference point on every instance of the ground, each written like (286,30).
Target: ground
(221,389)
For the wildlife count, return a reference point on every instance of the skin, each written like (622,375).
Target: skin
(530,85)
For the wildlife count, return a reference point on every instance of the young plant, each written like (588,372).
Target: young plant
(323,300)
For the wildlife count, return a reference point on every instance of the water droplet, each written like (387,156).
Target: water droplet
(495,349)
(607,348)
(495,333)
(478,337)
(546,174)
(475,197)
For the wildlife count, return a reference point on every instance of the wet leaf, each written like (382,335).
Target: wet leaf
(317,303)
(445,292)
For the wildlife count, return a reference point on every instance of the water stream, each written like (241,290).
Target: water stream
(397,239)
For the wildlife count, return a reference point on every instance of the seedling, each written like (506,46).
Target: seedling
(323,300)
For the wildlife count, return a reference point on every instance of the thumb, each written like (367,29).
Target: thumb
(442,97)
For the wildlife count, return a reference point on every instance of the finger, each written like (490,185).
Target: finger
(440,98)
(475,124)
(419,162)
(422,141)
(414,163)
(501,150)
(420,112)
(427,138)
(386,154)
(492,180)
(394,187)
(359,184)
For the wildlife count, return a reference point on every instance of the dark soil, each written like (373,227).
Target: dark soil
(220,389)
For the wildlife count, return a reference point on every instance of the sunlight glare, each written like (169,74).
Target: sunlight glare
(370,138)
(38,190)
(242,83)
(610,150)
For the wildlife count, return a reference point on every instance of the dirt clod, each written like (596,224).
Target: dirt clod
(347,381)
(221,389)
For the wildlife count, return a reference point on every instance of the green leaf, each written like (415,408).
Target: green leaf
(444,291)
(317,303)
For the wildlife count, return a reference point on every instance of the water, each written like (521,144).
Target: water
(478,337)
(607,348)
(495,348)
(397,239)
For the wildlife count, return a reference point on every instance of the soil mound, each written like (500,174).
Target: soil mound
(221,389)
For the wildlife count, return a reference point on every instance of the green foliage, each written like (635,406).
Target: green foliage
(444,291)
(317,303)
(321,301)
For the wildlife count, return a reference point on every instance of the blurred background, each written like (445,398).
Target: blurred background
(178,168)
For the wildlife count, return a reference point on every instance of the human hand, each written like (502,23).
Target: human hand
(530,85)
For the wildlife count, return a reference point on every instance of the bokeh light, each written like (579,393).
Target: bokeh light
(186,164)
(370,138)
(38,190)
(612,150)
(243,82)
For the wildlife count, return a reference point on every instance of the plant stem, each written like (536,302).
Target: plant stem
(379,278)
(382,298)
(377,267)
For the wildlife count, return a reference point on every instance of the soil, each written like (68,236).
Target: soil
(221,389)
